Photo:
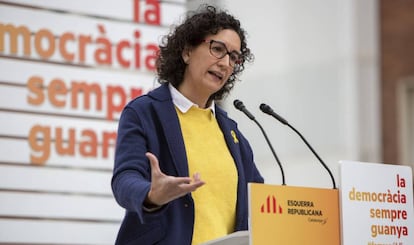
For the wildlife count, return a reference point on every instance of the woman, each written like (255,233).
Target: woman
(177,131)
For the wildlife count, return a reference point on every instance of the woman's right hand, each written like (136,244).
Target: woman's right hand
(166,188)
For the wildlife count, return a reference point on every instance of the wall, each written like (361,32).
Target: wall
(397,71)
(316,64)
(67,70)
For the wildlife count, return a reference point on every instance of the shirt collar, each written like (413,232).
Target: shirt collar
(182,103)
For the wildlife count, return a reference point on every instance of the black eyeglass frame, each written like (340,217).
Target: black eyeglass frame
(233,62)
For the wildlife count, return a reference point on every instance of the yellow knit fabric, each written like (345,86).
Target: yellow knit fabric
(207,153)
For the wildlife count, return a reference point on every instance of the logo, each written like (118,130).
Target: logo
(270,206)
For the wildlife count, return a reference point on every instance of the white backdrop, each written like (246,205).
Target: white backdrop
(316,63)
(67,69)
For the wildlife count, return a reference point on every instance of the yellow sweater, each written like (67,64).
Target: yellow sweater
(207,154)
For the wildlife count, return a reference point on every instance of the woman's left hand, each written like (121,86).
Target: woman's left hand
(165,188)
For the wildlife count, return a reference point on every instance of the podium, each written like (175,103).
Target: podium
(236,238)
(293,215)
(374,205)
(288,215)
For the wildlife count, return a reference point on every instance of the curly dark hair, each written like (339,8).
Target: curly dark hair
(207,20)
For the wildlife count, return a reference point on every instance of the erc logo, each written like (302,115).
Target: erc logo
(270,206)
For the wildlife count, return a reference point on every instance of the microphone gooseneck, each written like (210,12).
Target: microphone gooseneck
(268,110)
(240,106)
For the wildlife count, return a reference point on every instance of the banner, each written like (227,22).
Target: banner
(67,71)
(293,215)
(376,204)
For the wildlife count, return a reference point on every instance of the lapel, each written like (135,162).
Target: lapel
(233,140)
(165,110)
(229,132)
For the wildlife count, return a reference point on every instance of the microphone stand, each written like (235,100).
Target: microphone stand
(240,106)
(268,110)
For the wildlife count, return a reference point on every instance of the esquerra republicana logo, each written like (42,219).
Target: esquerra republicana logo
(294,207)
(271,206)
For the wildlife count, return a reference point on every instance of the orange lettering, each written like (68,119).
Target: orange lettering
(57,87)
(137,49)
(39,141)
(86,90)
(35,85)
(150,59)
(152,16)
(65,147)
(135,92)
(14,32)
(83,41)
(88,148)
(119,48)
(108,137)
(41,35)
(62,46)
(112,93)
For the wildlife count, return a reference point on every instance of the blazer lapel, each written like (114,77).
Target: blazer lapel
(167,115)
(230,136)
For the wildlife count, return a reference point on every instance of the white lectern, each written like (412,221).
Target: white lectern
(236,238)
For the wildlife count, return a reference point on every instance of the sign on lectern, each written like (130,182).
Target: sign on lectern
(293,215)
(376,204)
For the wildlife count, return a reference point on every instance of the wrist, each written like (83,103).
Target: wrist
(149,203)
(149,206)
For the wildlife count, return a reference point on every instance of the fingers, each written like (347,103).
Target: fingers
(166,188)
(197,180)
(196,177)
(188,180)
(151,157)
(155,167)
(169,188)
(193,185)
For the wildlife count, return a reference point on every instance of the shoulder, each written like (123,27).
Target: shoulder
(159,94)
(222,115)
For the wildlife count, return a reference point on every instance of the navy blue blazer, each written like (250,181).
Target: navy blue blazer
(150,123)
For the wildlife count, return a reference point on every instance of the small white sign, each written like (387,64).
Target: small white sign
(376,204)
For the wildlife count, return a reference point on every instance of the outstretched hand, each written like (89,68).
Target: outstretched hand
(166,188)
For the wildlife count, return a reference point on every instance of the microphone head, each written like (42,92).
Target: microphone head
(265,108)
(238,104)
(268,110)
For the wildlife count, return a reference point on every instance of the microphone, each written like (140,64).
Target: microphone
(240,106)
(268,110)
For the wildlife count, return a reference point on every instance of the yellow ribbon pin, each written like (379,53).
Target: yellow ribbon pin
(233,134)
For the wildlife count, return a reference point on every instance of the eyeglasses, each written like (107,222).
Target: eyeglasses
(219,50)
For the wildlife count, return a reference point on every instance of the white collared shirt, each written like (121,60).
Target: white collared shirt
(182,103)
